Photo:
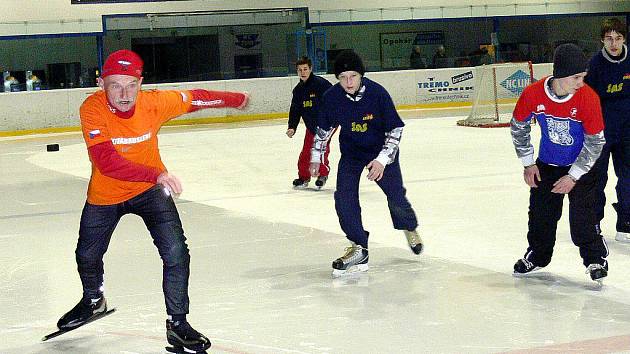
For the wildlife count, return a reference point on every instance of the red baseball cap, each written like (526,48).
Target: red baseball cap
(123,62)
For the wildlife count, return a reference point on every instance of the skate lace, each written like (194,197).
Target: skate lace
(528,264)
(353,253)
(413,238)
(593,267)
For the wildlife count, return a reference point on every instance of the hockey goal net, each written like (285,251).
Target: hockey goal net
(497,89)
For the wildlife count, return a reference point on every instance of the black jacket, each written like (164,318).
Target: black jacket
(306,100)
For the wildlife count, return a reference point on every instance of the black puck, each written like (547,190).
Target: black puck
(52,147)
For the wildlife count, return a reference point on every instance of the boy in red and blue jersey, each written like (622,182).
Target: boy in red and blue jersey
(572,138)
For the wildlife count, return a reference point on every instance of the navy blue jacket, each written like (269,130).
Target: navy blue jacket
(610,78)
(306,102)
(363,123)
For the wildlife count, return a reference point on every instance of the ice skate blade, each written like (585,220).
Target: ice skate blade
(622,237)
(182,350)
(336,273)
(525,275)
(62,331)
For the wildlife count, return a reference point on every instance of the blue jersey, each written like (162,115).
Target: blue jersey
(363,122)
(563,121)
(610,78)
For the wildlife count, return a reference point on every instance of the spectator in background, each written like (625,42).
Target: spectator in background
(463,60)
(439,58)
(484,57)
(415,59)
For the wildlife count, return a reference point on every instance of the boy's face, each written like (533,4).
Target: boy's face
(121,90)
(350,81)
(304,71)
(613,42)
(570,84)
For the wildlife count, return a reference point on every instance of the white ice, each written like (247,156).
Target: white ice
(261,253)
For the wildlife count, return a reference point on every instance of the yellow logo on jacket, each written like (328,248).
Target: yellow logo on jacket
(612,88)
(358,127)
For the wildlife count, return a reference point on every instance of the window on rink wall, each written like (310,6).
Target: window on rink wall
(180,48)
(56,62)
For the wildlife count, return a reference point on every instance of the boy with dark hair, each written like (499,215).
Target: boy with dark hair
(570,120)
(370,133)
(305,103)
(609,76)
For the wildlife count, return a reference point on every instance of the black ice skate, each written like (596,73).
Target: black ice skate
(414,240)
(523,266)
(321,181)
(184,339)
(597,271)
(623,227)
(354,260)
(300,183)
(84,312)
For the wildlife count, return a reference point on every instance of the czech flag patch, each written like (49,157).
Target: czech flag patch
(95,134)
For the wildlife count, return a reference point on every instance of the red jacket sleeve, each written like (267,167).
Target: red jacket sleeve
(111,164)
(202,99)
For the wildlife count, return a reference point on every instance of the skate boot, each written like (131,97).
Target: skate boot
(184,338)
(300,183)
(597,271)
(321,181)
(623,232)
(414,240)
(83,312)
(523,266)
(623,227)
(354,260)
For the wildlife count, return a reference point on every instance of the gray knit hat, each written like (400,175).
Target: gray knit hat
(568,59)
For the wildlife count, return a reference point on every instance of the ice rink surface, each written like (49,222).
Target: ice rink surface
(262,252)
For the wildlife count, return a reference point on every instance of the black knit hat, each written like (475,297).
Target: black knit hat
(568,59)
(348,60)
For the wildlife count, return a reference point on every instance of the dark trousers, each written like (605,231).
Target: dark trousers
(619,149)
(347,199)
(304,161)
(545,209)
(159,214)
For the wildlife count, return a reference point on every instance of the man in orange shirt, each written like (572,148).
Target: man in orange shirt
(120,126)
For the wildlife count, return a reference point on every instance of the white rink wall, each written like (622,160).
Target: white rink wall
(270,98)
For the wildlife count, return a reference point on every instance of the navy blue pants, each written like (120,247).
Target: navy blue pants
(618,146)
(347,199)
(545,210)
(161,218)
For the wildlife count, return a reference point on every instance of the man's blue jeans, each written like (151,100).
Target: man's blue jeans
(161,218)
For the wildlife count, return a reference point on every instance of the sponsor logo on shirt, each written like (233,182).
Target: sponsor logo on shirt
(129,141)
(368,116)
(626,76)
(540,108)
(573,112)
(94,133)
(207,103)
(559,131)
(358,127)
